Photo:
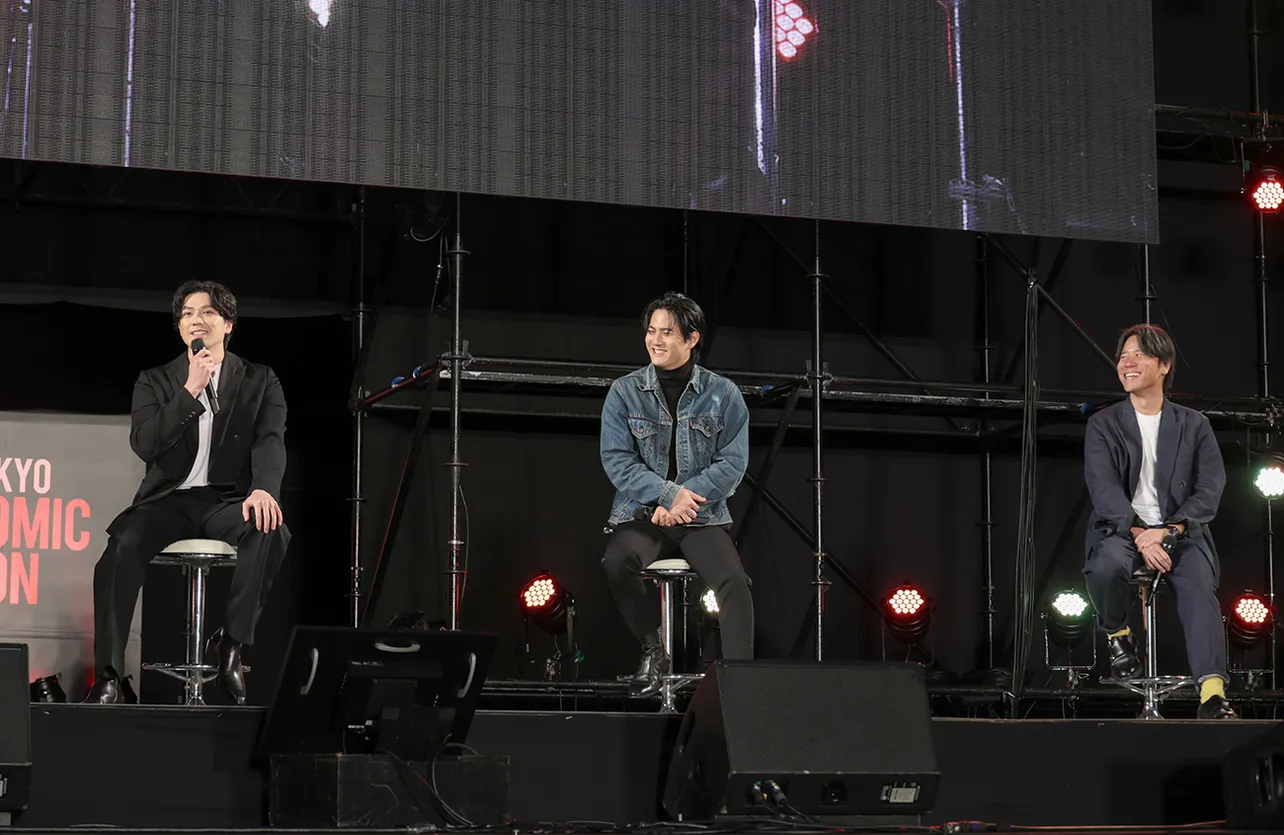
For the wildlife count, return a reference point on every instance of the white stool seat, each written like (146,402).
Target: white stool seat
(669,566)
(203,547)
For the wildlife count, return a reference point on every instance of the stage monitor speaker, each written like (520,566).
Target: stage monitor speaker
(833,740)
(1253,783)
(15,729)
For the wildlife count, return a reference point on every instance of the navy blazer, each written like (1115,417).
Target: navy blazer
(1189,473)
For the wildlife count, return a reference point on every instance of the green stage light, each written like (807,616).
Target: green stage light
(1069,618)
(1270,477)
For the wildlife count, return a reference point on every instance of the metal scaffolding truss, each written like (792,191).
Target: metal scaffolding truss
(982,411)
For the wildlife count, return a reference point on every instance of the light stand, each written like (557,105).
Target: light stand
(1076,673)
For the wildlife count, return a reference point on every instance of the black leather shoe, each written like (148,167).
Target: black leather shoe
(1124,663)
(1216,708)
(110,689)
(226,655)
(646,681)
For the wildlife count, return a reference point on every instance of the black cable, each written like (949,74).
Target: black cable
(418,784)
(432,782)
(463,583)
(1025,585)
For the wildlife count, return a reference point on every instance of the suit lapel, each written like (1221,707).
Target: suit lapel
(1166,453)
(228,386)
(178,371)
(1132,441)
(178,377)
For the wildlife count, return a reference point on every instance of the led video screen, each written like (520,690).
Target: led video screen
(1008,117)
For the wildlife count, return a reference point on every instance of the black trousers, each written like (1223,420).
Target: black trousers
(712,555)
(1192,580)
(145,530)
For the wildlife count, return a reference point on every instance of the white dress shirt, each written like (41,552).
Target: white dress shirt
(200,473)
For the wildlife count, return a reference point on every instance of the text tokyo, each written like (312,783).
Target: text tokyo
(19,475)
(28,526)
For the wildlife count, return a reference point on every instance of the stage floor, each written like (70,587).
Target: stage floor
(179,768)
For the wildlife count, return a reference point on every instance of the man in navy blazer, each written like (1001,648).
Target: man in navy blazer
(1155,475)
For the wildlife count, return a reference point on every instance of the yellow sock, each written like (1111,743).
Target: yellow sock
(1210,687)
(1119,634)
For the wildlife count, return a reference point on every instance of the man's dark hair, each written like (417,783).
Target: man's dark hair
(221,299)
(1155,342)
(685,312)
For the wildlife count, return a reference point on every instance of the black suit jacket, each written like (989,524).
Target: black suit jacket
(1189,473)
(247,446)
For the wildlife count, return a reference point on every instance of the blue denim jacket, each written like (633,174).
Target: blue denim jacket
(712,438)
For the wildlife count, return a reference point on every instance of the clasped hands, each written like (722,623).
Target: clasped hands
(681,512)
(1150,544)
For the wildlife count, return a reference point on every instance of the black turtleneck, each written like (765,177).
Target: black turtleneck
(673,383)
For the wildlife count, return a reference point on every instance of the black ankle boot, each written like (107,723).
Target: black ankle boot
(1124,663)
(110,689)
(654,665)
(225,653)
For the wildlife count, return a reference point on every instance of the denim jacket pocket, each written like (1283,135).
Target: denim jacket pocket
(704,437)
(644,432)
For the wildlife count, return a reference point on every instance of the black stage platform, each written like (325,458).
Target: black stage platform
(179,768)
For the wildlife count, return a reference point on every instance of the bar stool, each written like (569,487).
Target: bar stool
(1152,687)
(668,574)
(196,557)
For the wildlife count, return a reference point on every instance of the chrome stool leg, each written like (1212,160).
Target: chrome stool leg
(195,683)
(668,694)
(1150,700)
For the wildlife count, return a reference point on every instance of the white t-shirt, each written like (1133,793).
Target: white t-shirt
(1145,499)
(200,474)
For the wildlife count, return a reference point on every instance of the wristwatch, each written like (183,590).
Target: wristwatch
(1173,531)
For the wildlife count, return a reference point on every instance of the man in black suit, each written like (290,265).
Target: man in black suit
(1155,475)
(213,470)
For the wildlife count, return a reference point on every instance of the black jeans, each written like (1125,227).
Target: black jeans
(183,514)
(1192,580)
(712,555)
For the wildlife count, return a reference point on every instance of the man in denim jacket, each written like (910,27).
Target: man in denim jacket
(672,480)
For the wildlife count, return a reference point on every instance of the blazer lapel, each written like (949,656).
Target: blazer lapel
(1166,453)
(178,371)
(178,375)
(228,386)
(1132,441)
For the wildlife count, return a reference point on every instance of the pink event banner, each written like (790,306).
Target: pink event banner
(63,478)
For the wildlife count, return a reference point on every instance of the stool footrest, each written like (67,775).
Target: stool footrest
(166,667)
(678,679)
(1158,684)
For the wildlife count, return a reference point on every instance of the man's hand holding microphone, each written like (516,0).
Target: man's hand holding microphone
(200,372)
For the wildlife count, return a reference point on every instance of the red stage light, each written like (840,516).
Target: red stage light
(547,603)
(905,602)
(907,614)
(1250,620)
(1251,610)
(538,592)
(1268,194)
(793,28)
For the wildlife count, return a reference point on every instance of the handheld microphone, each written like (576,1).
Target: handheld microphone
(198,345)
